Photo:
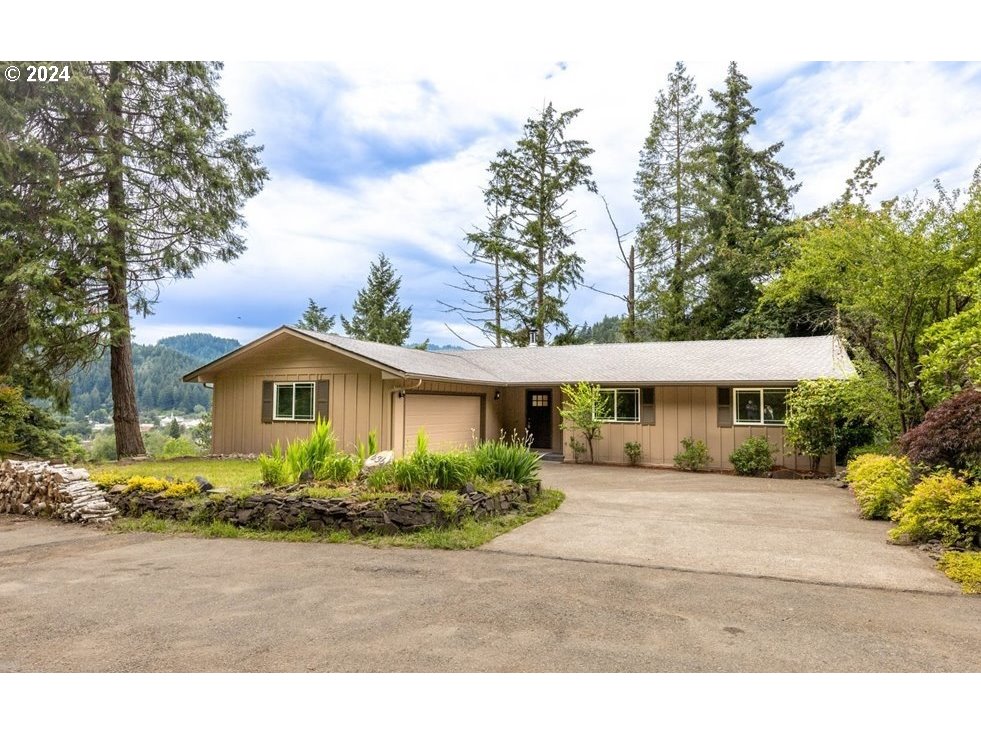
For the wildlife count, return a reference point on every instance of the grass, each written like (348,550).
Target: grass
(468,535)
(963,567)
(233,474)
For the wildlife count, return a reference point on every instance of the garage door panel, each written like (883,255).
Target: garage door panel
(450,422)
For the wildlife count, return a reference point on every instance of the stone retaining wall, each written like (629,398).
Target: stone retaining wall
(281,512)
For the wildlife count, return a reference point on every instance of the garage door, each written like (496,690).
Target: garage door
(450,422)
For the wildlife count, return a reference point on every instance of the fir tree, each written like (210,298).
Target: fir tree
(750,204)
(535,180)
(377,314)
(149,187)
(670,186)
(316,318)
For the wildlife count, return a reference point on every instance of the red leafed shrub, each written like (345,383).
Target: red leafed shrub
(950,434)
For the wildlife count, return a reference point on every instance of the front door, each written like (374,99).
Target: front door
(538,418)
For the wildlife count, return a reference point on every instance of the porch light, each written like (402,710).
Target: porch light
(497,395)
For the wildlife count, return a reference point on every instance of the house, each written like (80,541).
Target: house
(720,391)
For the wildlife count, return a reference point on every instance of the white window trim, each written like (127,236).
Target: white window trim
(313,401)
(761,422)
(614,420)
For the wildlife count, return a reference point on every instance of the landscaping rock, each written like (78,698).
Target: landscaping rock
(377,460)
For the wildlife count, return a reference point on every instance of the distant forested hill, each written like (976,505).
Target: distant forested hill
(202,347)
(158,369)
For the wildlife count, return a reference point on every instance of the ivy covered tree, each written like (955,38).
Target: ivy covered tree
(749,204)
(147,187)
(670,189)
(316,319)
(377,314)
(533,182)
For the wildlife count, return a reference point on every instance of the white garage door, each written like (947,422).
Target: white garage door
(450,422)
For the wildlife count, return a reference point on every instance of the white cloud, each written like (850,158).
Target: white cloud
(311,237)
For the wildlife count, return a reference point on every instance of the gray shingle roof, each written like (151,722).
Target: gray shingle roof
(772,360)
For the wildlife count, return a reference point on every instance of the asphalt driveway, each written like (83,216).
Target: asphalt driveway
(800,530)
(597,586)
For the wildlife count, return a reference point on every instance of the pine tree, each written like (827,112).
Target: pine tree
(535,180)
(487,289)
(670,185)
(377,314)
(151,187)
(316,318)
(750,204)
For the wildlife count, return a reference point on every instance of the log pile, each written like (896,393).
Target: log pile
(41,488)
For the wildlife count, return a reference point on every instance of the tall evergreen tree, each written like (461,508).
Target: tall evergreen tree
(535,179)
(316,319)
(152,188)
(750,203)
(486,289)
(670,189)
(377,314)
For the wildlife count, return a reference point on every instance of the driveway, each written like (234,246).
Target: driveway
(80,599)
(795,530)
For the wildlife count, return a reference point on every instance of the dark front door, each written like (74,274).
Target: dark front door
(538,418)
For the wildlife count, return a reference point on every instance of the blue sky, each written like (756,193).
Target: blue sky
(380,117)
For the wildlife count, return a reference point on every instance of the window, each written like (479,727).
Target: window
(620,405)
(294,402)
(761,405)
(539,400)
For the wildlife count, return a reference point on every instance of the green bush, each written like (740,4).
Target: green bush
(180,447)
(963,567)
(449,502)
(578,449)
(338,468)
(881,483)
(633,452)
(506,459)
(366,449)
(149,485)
(272,467)
(103,447)
(942,507)
(304,456)
(153,443)
(694,455)
(753,457)
(25,427)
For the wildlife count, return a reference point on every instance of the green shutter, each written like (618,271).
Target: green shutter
(724,406)
(267,401)
(323,399)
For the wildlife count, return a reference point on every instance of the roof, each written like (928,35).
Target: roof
(768,360)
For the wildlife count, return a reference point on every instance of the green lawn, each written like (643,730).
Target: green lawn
(233,474)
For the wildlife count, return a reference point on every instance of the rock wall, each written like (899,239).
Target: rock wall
(281,512)
(45,489)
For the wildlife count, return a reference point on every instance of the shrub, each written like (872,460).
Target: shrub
(942,507)
(449,502)
(694,455)
(382,478)
(583,408)
(180,447)
(963,567)
(109,478)
(578,449)
(103,447)
(338,468)
(949,435)
(633,452)
(506,459)
(272,467)
(880,482)
(753,457)
(26,427)
(153,485)
(304,456)
(181,490)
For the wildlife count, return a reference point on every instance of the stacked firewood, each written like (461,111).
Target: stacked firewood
(41,488)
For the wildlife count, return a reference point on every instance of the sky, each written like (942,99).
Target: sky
(378,125)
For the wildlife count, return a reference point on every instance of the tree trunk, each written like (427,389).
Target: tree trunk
(631,331)
(125,414)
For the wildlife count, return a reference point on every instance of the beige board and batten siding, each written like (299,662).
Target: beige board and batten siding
(356,404)
(688,410)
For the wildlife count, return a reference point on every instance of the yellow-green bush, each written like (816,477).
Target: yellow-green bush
(880,482)
(145,484)
(942,507)
(963,567)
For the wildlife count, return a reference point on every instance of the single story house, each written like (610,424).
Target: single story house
(720,391)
